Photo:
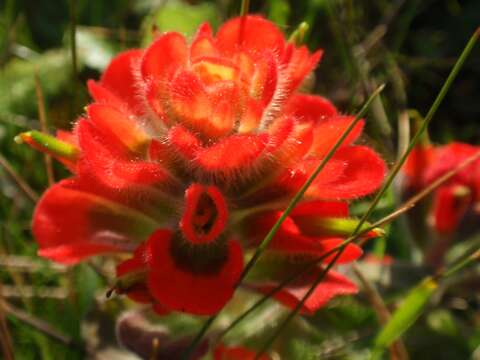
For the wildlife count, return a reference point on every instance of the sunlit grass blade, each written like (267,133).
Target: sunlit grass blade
(398,350)
(441,95)
(414,304)
(410,309)
(5,336)
(298,196)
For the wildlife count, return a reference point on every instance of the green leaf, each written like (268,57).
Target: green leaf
(93,49)
(179,16)
(406,315)
(88,282)
(279,12)
(301,350)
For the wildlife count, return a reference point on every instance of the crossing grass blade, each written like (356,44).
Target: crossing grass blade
(395,170)
(298,196)
(409,204)
(415,303)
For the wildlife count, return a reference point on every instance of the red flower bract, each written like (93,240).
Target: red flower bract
(187,156)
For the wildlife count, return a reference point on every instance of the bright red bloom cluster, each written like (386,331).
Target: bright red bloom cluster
(189,154)
(460,194)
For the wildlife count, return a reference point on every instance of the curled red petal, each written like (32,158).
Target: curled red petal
(179,289)
(104,96)
(203,43)
(204,30)
(184,141)
(226,97)
(312,108)
(70,224)
(119,78)
(295,177)
(319,208)
(119,127)
(264,80)
(299,66)
(232,153)
(280,131)
(243,33)
(292,179)
(192,106)
(189,99)
(327,133)
(164,57)
(363,173)
(113,169)
(296,146)
(332,285)
(289,239)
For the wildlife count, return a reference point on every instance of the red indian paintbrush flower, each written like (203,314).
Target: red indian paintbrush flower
(454,198)
(222,352)
(188,155)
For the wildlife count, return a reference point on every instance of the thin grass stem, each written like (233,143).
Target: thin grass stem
(21,182)
(42,116)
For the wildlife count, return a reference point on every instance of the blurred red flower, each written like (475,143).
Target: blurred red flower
(458,195)
(187,156)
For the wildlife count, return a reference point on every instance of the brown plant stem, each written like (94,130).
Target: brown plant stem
(73,51)
(40,325)
(42,116)
(22,184)
(5,337)
(397,350)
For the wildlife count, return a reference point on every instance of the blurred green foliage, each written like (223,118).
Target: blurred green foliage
(408,44)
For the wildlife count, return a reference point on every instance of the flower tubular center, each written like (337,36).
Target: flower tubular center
(205,215)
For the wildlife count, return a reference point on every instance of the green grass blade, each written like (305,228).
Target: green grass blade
(408,312)
(414,304)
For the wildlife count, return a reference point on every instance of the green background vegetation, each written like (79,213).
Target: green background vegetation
(410,45)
